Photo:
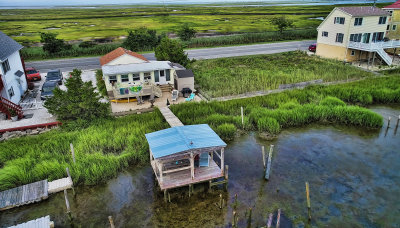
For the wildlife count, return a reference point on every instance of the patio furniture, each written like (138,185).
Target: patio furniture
(204,160)
(191,97)
(175,95)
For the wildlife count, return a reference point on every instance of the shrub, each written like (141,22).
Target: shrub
(226,131)
(332,101)
(268,124)
(101,85)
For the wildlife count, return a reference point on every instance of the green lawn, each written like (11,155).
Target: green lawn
(230,76)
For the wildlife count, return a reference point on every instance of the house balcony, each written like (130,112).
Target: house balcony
(374,47)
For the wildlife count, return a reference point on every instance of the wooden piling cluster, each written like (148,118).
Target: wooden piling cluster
(308,201)
(267,167)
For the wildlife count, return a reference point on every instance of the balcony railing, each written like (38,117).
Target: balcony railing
(374,46)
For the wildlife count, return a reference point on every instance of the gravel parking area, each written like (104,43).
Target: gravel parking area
(34,111)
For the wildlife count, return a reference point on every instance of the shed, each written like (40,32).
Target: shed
(184,155)
(184,79)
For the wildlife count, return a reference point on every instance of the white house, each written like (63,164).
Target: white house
(129,74)
(13,82)
(355,34)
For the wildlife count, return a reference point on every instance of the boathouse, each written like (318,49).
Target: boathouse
(184,155)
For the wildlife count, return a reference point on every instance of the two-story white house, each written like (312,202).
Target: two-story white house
(13,82)
(355,34)
(129,74)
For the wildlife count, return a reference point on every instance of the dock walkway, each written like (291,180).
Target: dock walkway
(170,117)
(43,222)
(31,193)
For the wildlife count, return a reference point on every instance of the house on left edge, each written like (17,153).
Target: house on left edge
(13,83)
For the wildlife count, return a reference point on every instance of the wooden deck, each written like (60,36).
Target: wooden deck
(170,117)
(183,178)
(22,195)
(43,222)
(60,184)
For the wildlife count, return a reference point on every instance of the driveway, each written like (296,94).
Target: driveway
(204,53)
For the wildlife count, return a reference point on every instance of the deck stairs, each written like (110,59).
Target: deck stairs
(7,105)
(166,88)
(378,47)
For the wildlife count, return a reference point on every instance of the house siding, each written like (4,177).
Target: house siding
(394,20)
(10,80)
(332,29)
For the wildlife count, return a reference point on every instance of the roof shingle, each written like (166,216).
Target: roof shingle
(359,11)
(395,5)
(119,52)
(7,46)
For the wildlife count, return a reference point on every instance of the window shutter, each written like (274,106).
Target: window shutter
(157,76)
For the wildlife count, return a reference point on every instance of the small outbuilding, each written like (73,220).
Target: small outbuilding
(184,79)
(184,155)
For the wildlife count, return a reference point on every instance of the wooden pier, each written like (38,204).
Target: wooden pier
(43,222)
(32,193)
(170,117)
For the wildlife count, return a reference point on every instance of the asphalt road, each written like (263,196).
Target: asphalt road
(204,53)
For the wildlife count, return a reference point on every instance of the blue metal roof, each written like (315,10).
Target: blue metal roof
(178,139)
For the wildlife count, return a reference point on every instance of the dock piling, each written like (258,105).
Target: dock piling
(241,112)
(249,218)
(308,201)
(388,125)
(220,201)
(271,149)
(278,219)
(69,175)
(110,219)
(263,156)
(226,177)
(67,204)
(72,152)
(269,224)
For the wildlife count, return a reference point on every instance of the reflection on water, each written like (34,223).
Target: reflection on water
(353,176)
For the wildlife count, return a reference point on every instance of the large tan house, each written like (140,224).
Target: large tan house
(393,29)
(355,34)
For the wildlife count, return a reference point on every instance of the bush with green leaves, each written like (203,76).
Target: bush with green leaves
(269,125)
(282,23)
(142,39)
(51,44)
(226,131)
(79,104)
(186,33)
(172,50)
(101,85)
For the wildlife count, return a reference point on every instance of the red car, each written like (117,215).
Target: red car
(312,47)
(32,74)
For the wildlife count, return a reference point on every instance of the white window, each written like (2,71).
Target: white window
(136,77)
(339,37)
(355,37)
(353,53)
(339,20)
(112,79)
(394,27)
(124,78)
(147,76)
(358,21)
(11,92)
(324,33)
(382,20)
(6,66)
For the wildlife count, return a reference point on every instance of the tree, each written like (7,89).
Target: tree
(171,50)
(79,103)
(51,44)
(186,32)
(142,39)
(281,23)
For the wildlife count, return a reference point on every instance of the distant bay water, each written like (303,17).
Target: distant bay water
(29,4)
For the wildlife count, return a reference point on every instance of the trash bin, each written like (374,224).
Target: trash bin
(186,92)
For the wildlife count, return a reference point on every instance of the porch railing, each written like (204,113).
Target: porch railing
(374,46)
(6,105)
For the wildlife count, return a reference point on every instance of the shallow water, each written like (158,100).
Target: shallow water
(353,175)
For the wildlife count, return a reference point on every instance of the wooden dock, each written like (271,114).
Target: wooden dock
(170,117)
(32,193)
(43,222)
(25,194)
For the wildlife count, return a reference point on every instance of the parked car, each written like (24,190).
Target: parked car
(32,74)
(312,47)
(54,76)
(47,90)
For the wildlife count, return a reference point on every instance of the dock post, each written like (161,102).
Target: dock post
(111,221)
(308,201)
(278,219)
(389,121)
(69,175)
(235,220)
(169,198)
(241,112)
(190,187)
(209,185)
(165,195)
(269,224)
(220,201)
(67,204)
(226,177)
(249,218)
(263,156)
(72,152)
(271,149)
(397,123)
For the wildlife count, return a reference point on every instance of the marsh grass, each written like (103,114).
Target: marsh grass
(101,151)
(315,104)
(237,75)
